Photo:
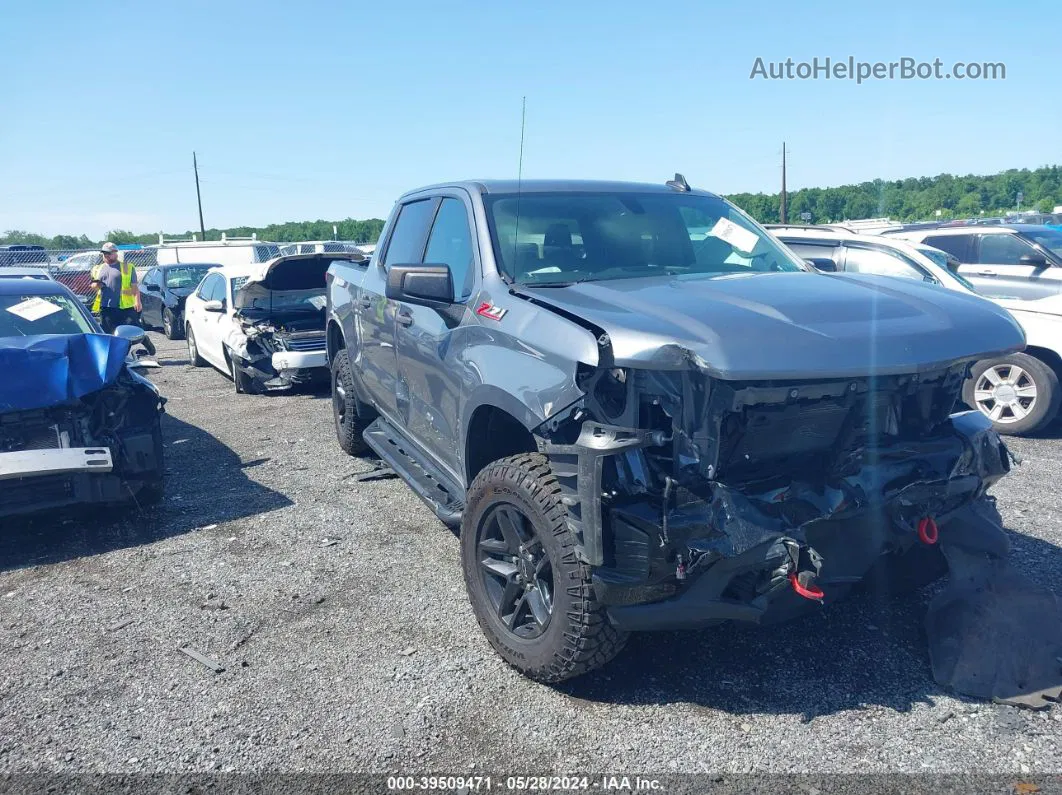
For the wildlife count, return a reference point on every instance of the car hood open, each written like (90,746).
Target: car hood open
(48,370)
(298,273)
(760,326)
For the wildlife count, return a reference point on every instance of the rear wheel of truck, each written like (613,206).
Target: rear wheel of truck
(352,416)
(532,596)
(194,358)
(1019,393)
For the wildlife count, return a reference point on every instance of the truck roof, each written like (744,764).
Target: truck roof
(504,186)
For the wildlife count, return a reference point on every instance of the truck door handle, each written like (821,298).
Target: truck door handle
(987,273)
(404,319)
(365,302)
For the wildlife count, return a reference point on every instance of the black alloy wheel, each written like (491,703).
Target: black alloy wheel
(516,572)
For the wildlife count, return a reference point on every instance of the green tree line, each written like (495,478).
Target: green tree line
(363,231)
(915,198)
(912,199)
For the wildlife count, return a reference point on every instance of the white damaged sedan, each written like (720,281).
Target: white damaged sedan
(264,323)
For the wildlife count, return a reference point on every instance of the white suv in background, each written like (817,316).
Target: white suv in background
(1004,261)
(1019,393)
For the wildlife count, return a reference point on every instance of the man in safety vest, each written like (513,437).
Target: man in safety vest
(117,297)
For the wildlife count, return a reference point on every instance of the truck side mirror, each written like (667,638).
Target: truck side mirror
(426,285)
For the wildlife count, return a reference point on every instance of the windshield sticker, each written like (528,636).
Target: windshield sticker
(34,309)
(740,238)
(318,301)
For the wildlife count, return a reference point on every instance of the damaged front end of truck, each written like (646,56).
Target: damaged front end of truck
(700,500)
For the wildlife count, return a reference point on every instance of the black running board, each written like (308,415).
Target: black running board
(428,482)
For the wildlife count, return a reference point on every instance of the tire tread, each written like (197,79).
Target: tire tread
(589,640)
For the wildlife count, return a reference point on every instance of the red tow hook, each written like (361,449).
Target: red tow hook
(928,533)
(812,592)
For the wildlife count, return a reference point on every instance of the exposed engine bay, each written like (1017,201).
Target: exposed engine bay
(699,500)
(280,351)
(278,334)
(103,447)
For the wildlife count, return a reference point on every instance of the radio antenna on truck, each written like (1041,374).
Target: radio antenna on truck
(519,183)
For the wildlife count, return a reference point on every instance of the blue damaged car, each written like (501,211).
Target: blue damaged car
(77,425)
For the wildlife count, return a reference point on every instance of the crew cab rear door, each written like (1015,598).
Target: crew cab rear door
(377,363)
(429,385)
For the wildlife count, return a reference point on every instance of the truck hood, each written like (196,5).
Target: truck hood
(47,370)
(760,326)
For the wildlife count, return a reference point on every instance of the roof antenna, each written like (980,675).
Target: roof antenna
(519,183)
(678,183)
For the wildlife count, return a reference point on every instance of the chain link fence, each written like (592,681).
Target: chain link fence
(71,267)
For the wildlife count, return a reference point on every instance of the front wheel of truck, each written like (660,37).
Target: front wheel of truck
(531,595)
(351,416)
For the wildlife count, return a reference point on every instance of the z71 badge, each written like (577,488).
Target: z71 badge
(491,311)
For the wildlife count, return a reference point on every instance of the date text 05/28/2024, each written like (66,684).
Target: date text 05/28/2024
(522,783)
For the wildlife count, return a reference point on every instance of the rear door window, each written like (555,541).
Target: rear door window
(209,285)
(450,243)
(959,246)
(1003,250)
(406,245)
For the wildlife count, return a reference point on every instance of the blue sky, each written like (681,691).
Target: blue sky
(329,110)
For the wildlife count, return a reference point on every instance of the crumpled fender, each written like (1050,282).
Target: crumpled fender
(236,340)
(47,370)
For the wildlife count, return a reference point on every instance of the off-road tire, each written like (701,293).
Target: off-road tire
(1048,398)
(194,359)
(579,637)
(170,327)
(351,416)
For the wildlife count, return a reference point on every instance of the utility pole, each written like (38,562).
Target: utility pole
(198,197)
(784,208)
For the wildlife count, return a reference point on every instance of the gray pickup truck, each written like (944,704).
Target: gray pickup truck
(643,412)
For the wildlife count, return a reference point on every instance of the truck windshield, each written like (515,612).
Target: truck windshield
(560,238)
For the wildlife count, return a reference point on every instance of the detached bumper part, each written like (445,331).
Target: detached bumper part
(993,633)
(65,460)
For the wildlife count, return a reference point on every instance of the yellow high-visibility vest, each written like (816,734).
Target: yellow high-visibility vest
(127,295)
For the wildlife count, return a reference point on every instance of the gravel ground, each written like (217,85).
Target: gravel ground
(337,610)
